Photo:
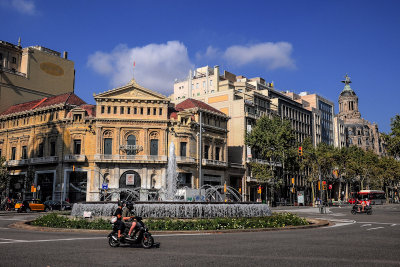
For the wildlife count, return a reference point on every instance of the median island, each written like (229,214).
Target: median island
(276,220)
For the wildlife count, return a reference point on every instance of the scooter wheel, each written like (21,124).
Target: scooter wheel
(113,242)
(147,241)
(369,212)
(353,212)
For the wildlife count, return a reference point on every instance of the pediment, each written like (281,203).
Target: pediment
(131,91)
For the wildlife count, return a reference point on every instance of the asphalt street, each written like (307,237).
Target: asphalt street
(353,240)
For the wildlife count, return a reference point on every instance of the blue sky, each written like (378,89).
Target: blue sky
(300,45)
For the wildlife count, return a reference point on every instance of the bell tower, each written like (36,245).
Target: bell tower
(348,102)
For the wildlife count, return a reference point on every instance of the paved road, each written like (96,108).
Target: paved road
(355,240)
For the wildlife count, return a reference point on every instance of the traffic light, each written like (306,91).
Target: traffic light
(292,180)
(73,168)
(300,151)
(330,186)
(259,189)
(323,185)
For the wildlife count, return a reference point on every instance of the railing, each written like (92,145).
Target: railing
(103,157)
(42,160)
(12,71)
(75,158)
(185,159)
(262,161)
(250,115)
(17,162)
(236,165)
(215,162)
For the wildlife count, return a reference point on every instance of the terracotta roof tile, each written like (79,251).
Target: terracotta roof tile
(67,98)
(193,103)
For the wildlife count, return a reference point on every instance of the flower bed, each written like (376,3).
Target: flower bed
(276,220)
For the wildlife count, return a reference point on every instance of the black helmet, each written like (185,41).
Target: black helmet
(129,205)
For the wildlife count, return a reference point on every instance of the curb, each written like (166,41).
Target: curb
(314,223)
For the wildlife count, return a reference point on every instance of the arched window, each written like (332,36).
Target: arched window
(131,142)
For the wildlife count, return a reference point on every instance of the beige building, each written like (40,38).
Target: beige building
(322,116)
(358,131)
(71,149)
(42,140)
(32,73)
(244,101)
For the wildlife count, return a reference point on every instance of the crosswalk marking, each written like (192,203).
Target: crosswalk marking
(375,228)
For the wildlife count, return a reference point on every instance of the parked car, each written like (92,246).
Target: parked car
(30,205)
(56,205)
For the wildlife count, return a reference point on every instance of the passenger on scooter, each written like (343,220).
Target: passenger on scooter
(127,213)
(363,204)
(120,220)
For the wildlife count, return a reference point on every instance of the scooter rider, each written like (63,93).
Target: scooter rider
(127,213)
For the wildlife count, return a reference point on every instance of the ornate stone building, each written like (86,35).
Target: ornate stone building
(358,131)
(44,139)
(72,149)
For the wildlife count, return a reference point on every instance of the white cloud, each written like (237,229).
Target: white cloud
(157,65)
(271,55)
(211,53)
(24,6)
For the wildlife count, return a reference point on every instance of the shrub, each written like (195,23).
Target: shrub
(166,224)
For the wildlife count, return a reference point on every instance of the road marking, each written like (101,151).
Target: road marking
(182,234)
(368,224)
(393,224)
(375,228)
(8,241)
(4,228)
(377,223)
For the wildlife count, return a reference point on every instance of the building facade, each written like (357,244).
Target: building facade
(244,101)
(41,140)
(69,150)
(358,131)
(32,73)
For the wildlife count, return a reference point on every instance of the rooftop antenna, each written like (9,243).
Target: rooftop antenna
(19,41)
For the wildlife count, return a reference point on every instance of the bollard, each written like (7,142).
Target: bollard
(322,209)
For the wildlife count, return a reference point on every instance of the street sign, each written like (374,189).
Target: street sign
(104,186)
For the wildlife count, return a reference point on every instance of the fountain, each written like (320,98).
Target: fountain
(206,202)
(172,176)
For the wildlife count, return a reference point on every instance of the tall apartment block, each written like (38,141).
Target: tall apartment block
(244,100)
(322,116)
(32,73)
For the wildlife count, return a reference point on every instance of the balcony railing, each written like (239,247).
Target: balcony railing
(75,158)
(20,162)
(128,158)
(185,159)
(43,160)
(215,162)
(262,161)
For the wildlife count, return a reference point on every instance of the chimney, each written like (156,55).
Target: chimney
(65,55)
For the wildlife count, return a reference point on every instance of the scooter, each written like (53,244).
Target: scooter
(140,235)
(358,209)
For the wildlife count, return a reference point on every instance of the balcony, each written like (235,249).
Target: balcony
(261,161)
(185,159)
(75,158)
(251,115)
(130,158)
(44,160)
(21,162)
(211,162)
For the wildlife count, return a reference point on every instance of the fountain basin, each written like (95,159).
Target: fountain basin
(178,209)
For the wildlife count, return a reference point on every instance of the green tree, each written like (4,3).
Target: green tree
(4,179)
(392,139)
(272,140)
